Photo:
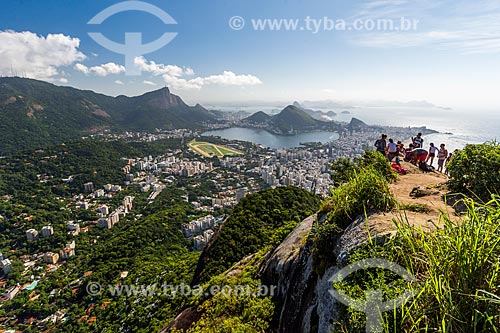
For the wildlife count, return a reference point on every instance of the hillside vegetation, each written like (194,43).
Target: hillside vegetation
(36,113)
(260,219)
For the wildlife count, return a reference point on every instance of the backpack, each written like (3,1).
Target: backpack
(379,145)
(424,167)
(399,169)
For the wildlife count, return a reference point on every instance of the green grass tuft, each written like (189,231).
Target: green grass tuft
(417,208)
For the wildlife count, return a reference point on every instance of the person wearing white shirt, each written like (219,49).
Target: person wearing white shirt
(392,150)
(432,153)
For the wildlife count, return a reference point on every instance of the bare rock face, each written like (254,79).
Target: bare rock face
(304,296)
(422,191)
(184,320)
(9,100)
(290,268)
(278,264)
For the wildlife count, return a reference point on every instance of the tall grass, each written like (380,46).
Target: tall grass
(366,190)
(458,269)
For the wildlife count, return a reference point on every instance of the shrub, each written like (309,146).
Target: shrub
(375,160)
(235,303)
(476,170)
(235,313)
(366,190)
(343,169)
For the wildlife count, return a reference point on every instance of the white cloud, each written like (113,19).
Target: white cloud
(28,54)
(82,68)
(230,79)
(119,82)
(174,76)
(101,70)
(182,84)
(157,69)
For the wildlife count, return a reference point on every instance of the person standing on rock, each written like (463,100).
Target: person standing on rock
(418,141)
(381,144)
(432,153)
(442,155)
(446,163)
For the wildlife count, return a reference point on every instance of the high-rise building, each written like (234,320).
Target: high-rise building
(68,251)
(104,210)
(74,228)
(99,193)
(241,193)
(47,231)
(31,235)
(114,218)
(88,187)
(50,258)
(127,202)
(6,266)
(140,165)
(104,223)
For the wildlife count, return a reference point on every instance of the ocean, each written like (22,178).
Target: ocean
(456,127)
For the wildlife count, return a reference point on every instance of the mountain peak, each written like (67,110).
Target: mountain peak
(356,123)
(258,117)
(292,109)
(162,98)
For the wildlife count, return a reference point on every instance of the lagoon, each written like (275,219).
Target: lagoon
(260,136)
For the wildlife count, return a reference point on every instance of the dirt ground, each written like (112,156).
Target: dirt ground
(433,184)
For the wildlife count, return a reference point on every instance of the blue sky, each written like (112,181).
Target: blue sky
(451,58)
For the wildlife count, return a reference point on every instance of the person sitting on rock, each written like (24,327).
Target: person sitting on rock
(418,155)
(392,150)
(407,153)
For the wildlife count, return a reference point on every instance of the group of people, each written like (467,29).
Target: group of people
(415,153)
